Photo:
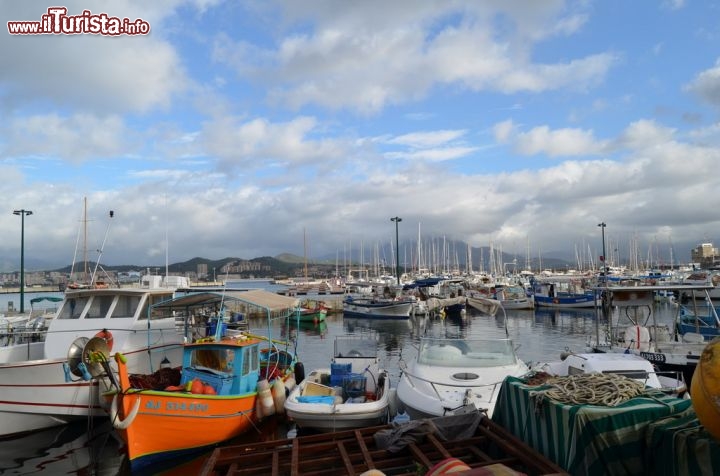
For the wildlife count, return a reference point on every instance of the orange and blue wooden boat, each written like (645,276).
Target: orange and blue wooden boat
(225,383)
(219,393)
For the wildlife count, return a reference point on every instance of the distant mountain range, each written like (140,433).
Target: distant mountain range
(287,263)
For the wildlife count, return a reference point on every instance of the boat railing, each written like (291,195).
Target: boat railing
(22,335)
(671,381)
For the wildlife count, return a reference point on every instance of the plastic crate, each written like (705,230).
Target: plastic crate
(340,369)
(220,381)
(354,385)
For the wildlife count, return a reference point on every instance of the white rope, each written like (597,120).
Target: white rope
(593,389)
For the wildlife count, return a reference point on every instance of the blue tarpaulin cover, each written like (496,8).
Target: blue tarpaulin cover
(328,400)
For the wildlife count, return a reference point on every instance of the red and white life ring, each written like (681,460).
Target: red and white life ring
(107,336)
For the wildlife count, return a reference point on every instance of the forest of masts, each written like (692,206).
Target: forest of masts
(441,256)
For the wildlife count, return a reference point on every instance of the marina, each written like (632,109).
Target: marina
(539,335)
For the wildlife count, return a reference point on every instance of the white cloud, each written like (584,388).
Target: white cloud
(75,138)
(706,85)
(504,130)
(644,134)
(427,139)
(433,155)
(365,59)
(254,142)
(93,73)
(543,140)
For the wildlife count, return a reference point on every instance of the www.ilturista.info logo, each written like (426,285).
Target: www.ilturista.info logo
(58,22)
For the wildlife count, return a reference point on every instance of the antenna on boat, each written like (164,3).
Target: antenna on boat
(102,247)
(77,243)
(221,311)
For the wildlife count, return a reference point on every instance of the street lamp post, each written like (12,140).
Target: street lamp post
(603,258)
(397,249)
(22,214)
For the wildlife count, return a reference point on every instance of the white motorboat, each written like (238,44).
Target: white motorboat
(45,383)
(354,392)
(455,375)
(449,375)
(629,365)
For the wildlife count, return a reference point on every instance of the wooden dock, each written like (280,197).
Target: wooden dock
(354,452)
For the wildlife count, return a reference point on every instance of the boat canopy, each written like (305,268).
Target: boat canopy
(271,302)
(45,298)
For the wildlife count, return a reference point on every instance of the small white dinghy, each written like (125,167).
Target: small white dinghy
(354,392)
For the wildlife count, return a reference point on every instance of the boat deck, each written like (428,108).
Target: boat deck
(353,452)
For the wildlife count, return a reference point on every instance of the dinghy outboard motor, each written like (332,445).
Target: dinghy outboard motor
(87,358)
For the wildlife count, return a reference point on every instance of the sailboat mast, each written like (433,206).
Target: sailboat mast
(305,255)
(85,255)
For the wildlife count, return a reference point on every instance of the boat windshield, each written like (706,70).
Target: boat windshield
(355,347)
(466,353)
(73,307)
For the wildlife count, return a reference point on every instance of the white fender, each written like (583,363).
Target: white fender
(116,421)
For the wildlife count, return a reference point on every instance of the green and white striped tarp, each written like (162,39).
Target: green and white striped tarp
(679,446)
(584,439)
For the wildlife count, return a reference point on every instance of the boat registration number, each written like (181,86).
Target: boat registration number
(652,357)
(178,407)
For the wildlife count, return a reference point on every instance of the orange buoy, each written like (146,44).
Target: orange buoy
(197,386)
(705,388)
(107,335)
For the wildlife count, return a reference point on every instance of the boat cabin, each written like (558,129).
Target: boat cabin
(231,366)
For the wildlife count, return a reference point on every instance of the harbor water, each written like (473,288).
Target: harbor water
(539,335)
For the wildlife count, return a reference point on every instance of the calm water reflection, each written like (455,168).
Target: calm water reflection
(540,335)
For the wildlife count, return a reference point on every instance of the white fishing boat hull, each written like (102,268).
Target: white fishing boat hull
(368,308)
(38,392)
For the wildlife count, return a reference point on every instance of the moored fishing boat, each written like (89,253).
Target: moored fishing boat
(312,311)
(224,386)
(514,297)
(697,320)
(633,328)
(378,307)
(42,384)
(353,392)
(563,294)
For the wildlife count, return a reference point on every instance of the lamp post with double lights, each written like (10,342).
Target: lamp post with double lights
(397,249)
(22,214)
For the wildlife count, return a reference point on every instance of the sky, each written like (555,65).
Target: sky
(254,128)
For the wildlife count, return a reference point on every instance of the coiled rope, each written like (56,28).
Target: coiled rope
(592,389)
